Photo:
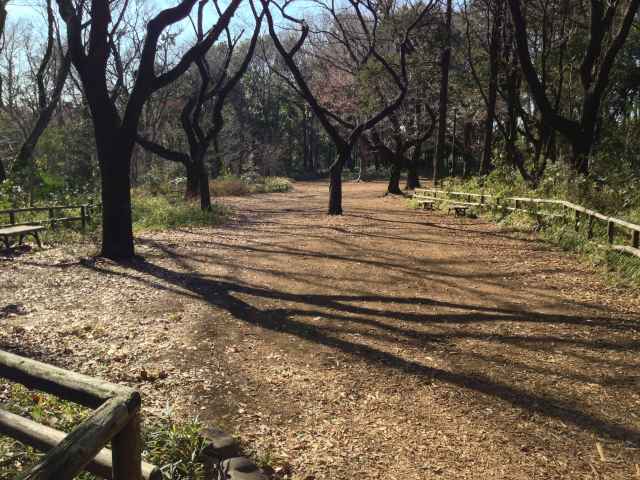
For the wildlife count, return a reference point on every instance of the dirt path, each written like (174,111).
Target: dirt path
(387,343)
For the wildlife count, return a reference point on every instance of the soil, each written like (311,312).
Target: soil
(384,343)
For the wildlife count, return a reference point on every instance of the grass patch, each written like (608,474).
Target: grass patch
(176,448)
(621,268)
(238,187)
(274,185)
(160,213)
(229,186)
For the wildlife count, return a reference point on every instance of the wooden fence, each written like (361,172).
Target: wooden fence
(55,215)
(115,419)
(524,204)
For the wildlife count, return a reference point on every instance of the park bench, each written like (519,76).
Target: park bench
(459,210)
(21,231)
(426,204)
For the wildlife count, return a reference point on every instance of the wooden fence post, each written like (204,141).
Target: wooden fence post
(577,220)
(590,228)
(83,218)
(127,452)
(635,239)
(610,231)
(52,217)
(12,218)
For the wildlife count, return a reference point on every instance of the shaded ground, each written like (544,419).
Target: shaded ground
(387,343)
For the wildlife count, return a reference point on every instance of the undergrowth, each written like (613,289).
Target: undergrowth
(231,185)
(161,213)
(613,193)
(176,448)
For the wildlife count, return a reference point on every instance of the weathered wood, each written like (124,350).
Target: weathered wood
(83,217)
(127,451)
(565,205)
(78,448)
(87,391)
(610,231)
(20,230)
(52,218)
(44,438)
(6,233)
(626,249)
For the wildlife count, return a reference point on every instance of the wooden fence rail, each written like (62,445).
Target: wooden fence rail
(55,215)
(520,204)
(115,419)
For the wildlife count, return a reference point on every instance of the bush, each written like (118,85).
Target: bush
(229,186)
(246,185)
(159,213)
(275,185)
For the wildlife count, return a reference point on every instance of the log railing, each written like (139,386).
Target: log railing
(55,215)
(116,419)
(524,204)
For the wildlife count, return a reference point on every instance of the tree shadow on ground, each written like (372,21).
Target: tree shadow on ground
(232,296)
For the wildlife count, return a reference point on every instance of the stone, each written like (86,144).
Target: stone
(240,468)
(220,445)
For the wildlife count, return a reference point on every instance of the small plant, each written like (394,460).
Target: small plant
(276,185)
(229,186)
(158,213)
(175,447)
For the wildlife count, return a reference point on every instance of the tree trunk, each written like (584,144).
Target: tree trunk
(193,181)
(335,185)
(494,63)
(413,178)
(203,178)
(114,157)
(3,172)
(394,179)
(438,159)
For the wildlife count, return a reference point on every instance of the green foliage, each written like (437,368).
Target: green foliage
(230,185)
(159,213)
(175,447)
(274,185)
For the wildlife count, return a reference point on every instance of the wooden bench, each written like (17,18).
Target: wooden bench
(426,204)
(459,210)
(21,231)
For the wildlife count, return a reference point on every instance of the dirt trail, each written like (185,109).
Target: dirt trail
(386,343)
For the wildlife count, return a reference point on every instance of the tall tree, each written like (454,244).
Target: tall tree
(445,63)
(356,32)
(3,21)
(495,10)
(115,133)
(48,96)
(595,72)
(211,90)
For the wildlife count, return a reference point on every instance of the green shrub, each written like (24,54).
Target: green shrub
(276,185)
(159,213)
(229,186)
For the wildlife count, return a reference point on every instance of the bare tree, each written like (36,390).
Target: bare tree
(115,133)
(49,90)
(357,34)
(3,21)
(211,90)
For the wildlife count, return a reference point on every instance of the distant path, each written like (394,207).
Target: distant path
(386,343)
